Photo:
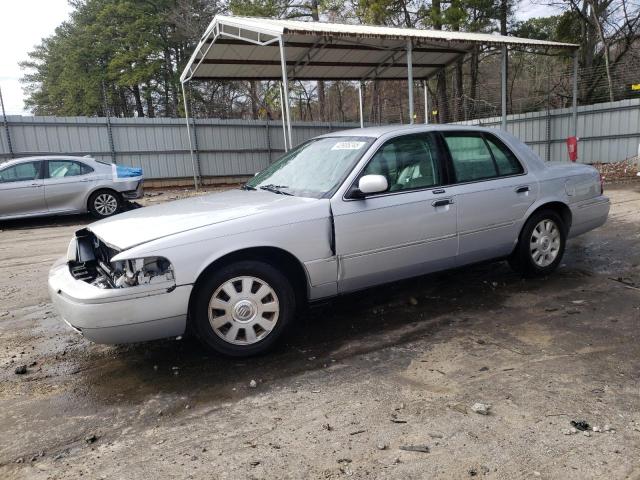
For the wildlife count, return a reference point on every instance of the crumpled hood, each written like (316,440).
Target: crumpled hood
(142,225)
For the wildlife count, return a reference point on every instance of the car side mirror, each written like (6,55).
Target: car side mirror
(370,184)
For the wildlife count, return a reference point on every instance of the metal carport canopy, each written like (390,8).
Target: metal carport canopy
(243,48)
(248,48)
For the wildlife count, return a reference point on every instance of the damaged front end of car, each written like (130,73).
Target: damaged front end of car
(92,261)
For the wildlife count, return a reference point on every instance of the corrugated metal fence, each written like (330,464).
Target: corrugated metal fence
(160,145)
(608,132)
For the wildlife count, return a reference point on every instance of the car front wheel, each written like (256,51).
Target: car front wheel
(541,245)
(243,309)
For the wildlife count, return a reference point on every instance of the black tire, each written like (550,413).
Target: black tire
(104,203)
(522,258)
(264,273)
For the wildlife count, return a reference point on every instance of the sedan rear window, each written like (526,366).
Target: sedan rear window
(507,163)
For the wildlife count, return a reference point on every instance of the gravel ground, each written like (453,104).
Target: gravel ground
(381,384)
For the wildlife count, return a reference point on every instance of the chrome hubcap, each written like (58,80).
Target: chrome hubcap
(105,204)
(243,310)
(545,243)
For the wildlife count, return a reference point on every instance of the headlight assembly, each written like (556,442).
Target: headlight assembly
(141,271)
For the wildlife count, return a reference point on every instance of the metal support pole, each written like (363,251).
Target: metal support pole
(285,84)
(186,115)
(426,102)
(548,120)
(360,102)
(6,125)
(268,134)
(107,114)
(284,123)
(503,87)
(196,148)
(574,105)
(410,78)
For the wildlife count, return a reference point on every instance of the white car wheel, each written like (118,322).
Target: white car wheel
(243,310)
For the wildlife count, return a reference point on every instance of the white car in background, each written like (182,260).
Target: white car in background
(60,185)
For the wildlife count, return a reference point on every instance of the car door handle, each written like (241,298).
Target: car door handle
(442,203)
(36,184)
(522,189)
(438,191)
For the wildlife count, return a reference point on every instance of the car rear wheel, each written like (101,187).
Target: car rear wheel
(104,203)
(243,309)
(541,245)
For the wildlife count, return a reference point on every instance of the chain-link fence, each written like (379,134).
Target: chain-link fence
(462,92)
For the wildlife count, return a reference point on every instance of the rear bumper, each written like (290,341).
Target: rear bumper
(118,315)
(589,214)
(134,194)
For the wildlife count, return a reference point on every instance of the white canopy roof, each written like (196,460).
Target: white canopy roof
(244,48)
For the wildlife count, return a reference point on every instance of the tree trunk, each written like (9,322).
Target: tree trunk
(441,98)
(123,102)
(166,74)
(321,101)
(148,97)
(457,114)
(473,68)
(457,76)
(605,48)
(175,88)
(340,109)
(138,99)
(253,91)
(372,105)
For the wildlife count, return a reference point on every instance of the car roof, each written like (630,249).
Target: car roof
(381,130)
(14,161)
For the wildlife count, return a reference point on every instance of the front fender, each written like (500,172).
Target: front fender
(191,254)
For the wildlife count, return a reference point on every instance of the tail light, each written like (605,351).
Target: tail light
(601,184)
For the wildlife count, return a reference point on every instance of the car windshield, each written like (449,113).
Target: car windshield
(314,169)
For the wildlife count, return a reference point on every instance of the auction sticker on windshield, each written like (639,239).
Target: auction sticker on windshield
(348,145)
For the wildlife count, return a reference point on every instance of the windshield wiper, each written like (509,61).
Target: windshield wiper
(247,187)
(275,189)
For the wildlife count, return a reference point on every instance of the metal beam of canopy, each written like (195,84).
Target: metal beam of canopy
(244,48)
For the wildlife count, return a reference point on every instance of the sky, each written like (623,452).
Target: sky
(24,23)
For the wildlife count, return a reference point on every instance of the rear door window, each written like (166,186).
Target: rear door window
(478,156)
(471,157)
(65,168)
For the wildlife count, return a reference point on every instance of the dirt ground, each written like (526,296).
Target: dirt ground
(362,377)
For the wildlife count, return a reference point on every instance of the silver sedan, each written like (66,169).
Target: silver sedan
(339,213)
(58,185)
